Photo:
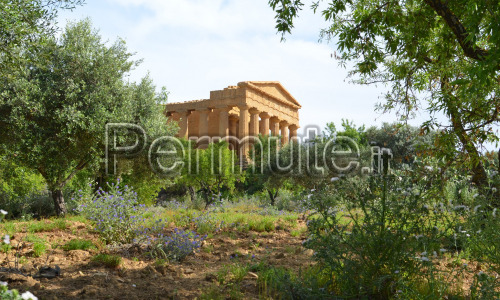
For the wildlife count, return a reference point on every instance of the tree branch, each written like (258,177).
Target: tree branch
(470,48)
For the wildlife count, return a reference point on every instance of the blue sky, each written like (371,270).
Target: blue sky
(195,46)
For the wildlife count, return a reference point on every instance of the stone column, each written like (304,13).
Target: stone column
(284,132)
(264,123)
(224,121)
(203,124)
(254,122)
(293,131)
(232,125)
(275,126)
(183,123)
(243,128)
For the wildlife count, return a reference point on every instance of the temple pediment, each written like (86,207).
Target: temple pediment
(272,89)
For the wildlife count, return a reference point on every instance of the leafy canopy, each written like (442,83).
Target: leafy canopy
(443,56)
(59,109)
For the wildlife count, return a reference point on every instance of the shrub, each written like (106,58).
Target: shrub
(39,249)
(78,244)
(110,261)
(178,245)
(115,213)
(46,225)
(205,223)
(378,235)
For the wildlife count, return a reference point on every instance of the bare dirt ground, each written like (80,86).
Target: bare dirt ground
(140,277)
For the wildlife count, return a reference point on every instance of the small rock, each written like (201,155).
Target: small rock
(188,271)
(78,255)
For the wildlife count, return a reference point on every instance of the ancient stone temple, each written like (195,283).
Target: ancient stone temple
(250,108)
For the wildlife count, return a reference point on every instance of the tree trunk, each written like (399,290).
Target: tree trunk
(59,204)
(272,196)
(192,194)
(479,177)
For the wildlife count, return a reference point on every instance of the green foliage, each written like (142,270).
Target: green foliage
(39,249)
(74,91)
(262,174)
(358,135)
(212,170)
(107,260)
(394,225)
(46,225)
(79,244)
(285,284)
(115,213)
(24,26)
(18,185)
(406,142)
(176,246)
(440,56)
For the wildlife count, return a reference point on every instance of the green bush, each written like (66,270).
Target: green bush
(116,213)
(79,244)
(39,249)
(107,260)
(378,235)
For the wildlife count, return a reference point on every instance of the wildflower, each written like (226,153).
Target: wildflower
(423,253)
(3,212)
(396,272)
(442,250)
(3,283)
(6,239)
(423,258)
(27,295)
(333,179)
(434,253)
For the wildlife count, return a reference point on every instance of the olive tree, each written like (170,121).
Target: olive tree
(59,109)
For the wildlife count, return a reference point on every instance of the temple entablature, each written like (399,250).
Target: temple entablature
(248,109)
